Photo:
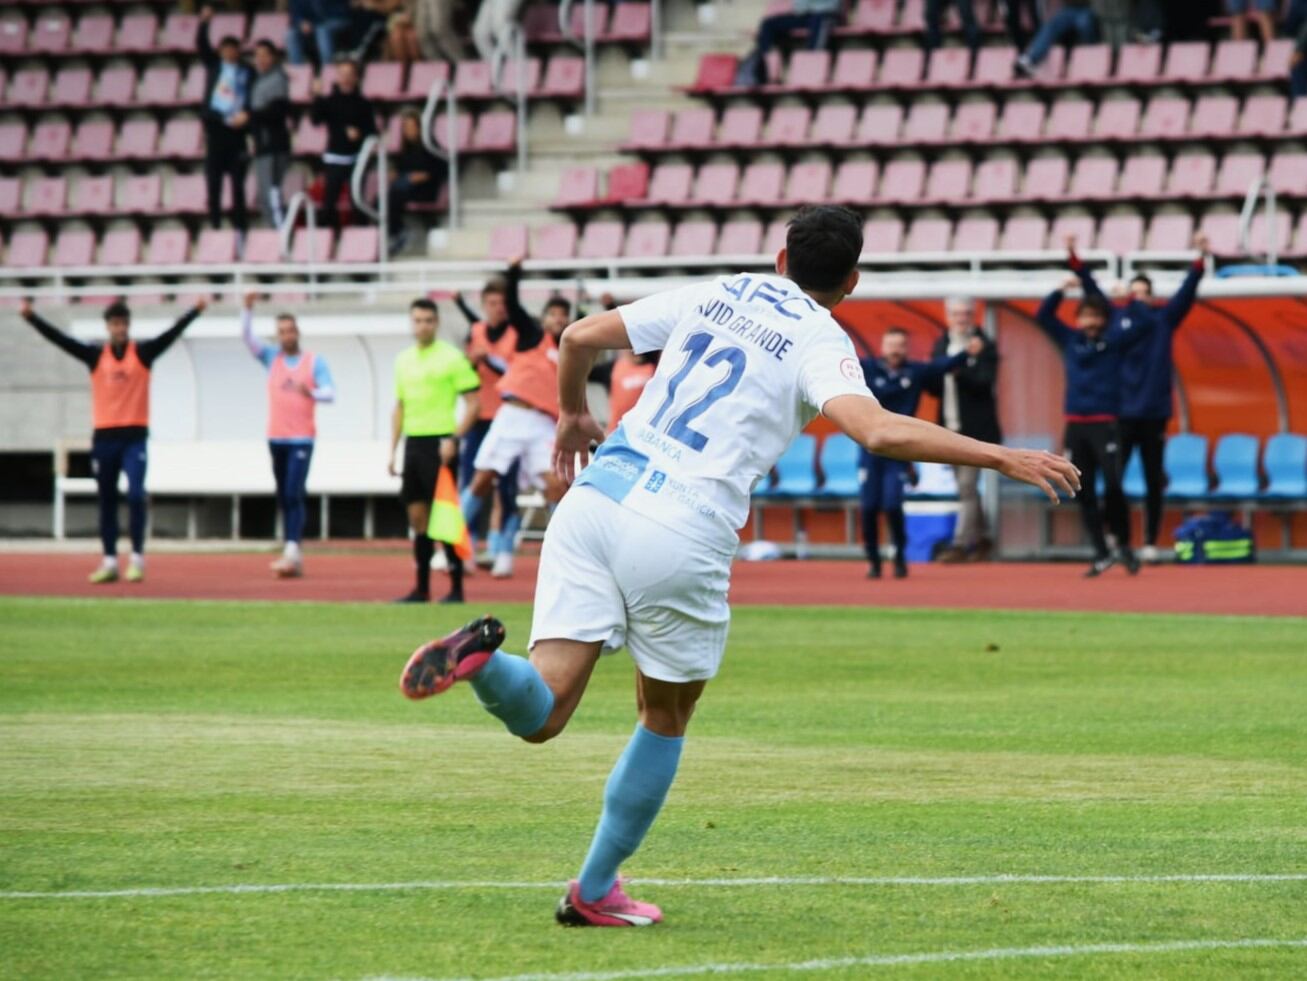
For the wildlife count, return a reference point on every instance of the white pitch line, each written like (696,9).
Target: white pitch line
(428,886)
(893,960)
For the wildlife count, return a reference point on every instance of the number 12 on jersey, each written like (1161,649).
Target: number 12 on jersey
(696,349)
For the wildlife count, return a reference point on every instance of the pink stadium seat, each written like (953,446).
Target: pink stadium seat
(855,70)
(50,140)
(301,82)
(716,72)
(360,243)
(10,195)
(1277,59)
(384,81)
(13,36)
(716,183)
(13,140)
(949,181)
(94,34)
(73,247)
(1298,118)
(874,16)
(949,67)
(993,67)
(1138,63)
(902,67)
(1046,179)
(262,247)
(976,235)
(1264,115)
(564,78)
(974,122)
(1299,246)
(27,249)
(496,132)
(1259,237)
(182,139)
(1235,61)
(807,70)
(221,26)
(50,34)
(1167,117)
(741,126)
(996,180)
(120,247)
(116,87)
(507,242)
(92,196)
(159,85)
(1143,176)
(912,17)
(1239,171)
(1288,173)
(696,238)
(472,80)
(927,122)
(693,128)
(192,90)
(1021,122)
(1186,61)
(1121,234)
(1027,233)
(600,240)
(424,74)
(855,182)
(1214,115)
(578,187)
(93,140)
(186,195)
(881,236)
(168,247)
(1091,63)
(1222,231)
(1170,233)
(737,238)
(178,33)
(71,87)
(140,195)
(649,129)
(630,22)
(647,240)
(833,125)
(902,181)
(1191,175)
(1070,119)
(556,243)
(47,196)
(269,26)
(1052,70)
(788,126)
(137,139)
(627,182)
(1081,226)
(310,139)
(670,184)
(880,124)
(312,246)
(136,34)
(1117,119)
(1093,178)
(27,87)
(808,182)
(215,246)
(929,235)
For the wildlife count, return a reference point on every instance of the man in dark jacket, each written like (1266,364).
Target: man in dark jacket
(224,111)
(349,119)
(269,125)
(967,405)
(419,176)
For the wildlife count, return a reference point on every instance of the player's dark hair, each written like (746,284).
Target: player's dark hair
(230,40)
(117,311)
(290,317)
(823,243)
(495,285)
(896,330)
(1098,304)
(422,303)
(271,48)
(560,302)
(1145,279)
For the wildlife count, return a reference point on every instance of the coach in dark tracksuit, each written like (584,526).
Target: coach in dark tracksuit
(897,384)
(1093,356)
(350,119)
(1146,381)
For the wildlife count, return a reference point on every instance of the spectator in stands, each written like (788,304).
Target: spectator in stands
(314,25)
(437,35)
(1260,12)
(350,119)
(816,17)
(935,23)
(120,411)
(1298,71)
(1296,17)
(897,384)
(492,27)
(419,176)
(1016,14)
(269,125)
(1074,22)
(968,405)
(225,114)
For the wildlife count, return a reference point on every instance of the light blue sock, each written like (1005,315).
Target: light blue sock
(471,505)
(511,689)
(633,796)
(494,542)
(508,534)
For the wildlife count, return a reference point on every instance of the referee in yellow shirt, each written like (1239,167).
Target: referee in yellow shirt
(429,378)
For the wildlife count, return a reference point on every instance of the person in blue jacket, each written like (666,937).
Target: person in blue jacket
(1094,353)
(897,384)
(1147,378)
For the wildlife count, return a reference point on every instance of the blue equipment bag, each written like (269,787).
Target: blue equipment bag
(1214,539)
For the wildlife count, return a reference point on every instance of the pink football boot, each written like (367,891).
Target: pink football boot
(435,666)
(617,909)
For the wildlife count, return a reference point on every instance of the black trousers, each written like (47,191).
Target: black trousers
(935,18)
(231,162)
(1096,448)
(335,179)
(1016,29)
(1149,435)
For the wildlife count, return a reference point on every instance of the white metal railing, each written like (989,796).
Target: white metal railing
(1256,190)
(443,89)
(358,190)
(286,231)
(521,96)
(587,43)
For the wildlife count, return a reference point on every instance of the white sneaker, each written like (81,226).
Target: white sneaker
(1150,555)
(438,561)
(503,567)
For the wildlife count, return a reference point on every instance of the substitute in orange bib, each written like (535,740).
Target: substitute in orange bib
(120,408)
(297,381)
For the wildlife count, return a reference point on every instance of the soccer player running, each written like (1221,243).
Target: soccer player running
(120,411)
(297,381)
(430,377)
(897,384)
(1147,378)
(639,551)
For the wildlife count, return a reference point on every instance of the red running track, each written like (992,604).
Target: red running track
(370,575)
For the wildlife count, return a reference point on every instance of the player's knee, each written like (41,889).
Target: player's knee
(550,729)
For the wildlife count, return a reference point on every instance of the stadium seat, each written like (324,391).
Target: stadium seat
(902,67)
(1285,462)
(1239,171)
(27,87)
(383,81)
(670,184)
(269,26)
(1298,118)
(1094,177)
(881,236)
(1045,179)
(949,181)
(1170,233)
(93,35)
(716,184)
(1027,233)
(600,240)
(949,68)
(120,247)
(315,246)
(1191,175)
(976,235)
(1021,122)
(50,140)
(1235,463)
(140,195)
(1186,62)
(13,140)
(495,132)
(761,184)
(116,87)
(740,127)
(1235,61)
(1214,116)
(1264,115)
(839,466)
(996,180)
(1138,63)
(880,124)
(1185,463)
(554,243)
(1142,177)
(49,34)
(1089,63)
(787,126)
(974,122)
(902,180)
(178,32)
(796,476)
(833,125)
(630,22)
(993,67)
(1167,117)
(627,182)
(649,129)
(647,240)
(739,238)
(1121,234)
(807,70)
(1288,173)
(716,72)
(1222,231)
(73,247)
(309,139)
(71,88)
(159,86)
(693,128)
(855,182)
(137,140)
(10,195)
(182,139)
(215,246)
(92,196)
(186,195)
(929,235)
(1117,119)
(507,242)
(359,244)
(1070,120)
(1081,226)
(192,90)
(422,75)
(168,247)
(47,197)
(263,247)
(13,36)
(1259,239)
(692,238)
(807,182)
(564,78)
(855,70)
(578,187)
(136,34)
(27,249)
(927,123)
(1277,59)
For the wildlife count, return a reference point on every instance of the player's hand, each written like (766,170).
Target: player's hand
(575,434)
(250,300)
(306,390)
(1202,243)
(448,452)
(201,305)
(391,468)
(353,133)
(515,262)
(25,308)
(1070,241)
(975,346)
(1070,283)
(1047,471)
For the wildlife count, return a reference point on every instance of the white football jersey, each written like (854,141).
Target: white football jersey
(747,362)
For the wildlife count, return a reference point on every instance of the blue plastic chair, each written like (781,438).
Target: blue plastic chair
(839,462)
(1185,462)
(1133,481)
(1235,463)
(795,472)
(1286,466)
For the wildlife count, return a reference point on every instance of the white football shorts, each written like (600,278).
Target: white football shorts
(518,433)
(611,575)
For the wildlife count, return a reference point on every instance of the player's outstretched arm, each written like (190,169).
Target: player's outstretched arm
(907,438)
(577,429)
(88,354)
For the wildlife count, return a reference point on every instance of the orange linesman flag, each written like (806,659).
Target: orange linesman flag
(447,524)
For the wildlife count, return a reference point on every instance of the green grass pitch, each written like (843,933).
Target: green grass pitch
(170,744)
